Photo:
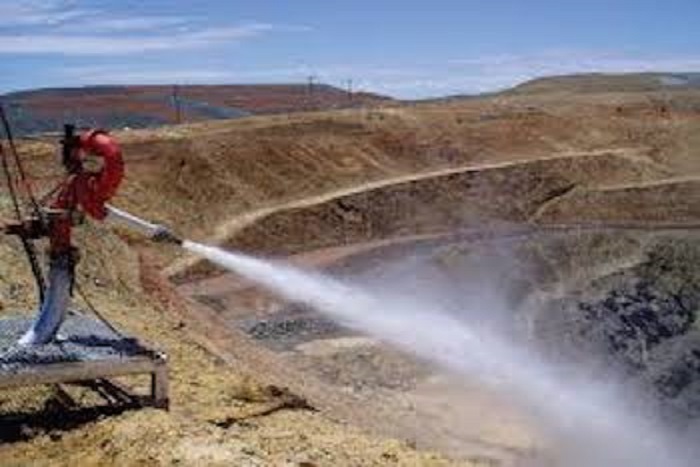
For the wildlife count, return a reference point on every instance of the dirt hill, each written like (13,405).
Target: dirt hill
(356,180)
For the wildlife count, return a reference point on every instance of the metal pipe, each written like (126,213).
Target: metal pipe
(155,232)
(132,221)
(54,308)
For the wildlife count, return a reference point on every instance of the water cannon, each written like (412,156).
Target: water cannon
(156,232)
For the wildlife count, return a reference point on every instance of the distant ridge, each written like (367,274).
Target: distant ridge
(143,106)
(45,110)
(583,83)
(609,82)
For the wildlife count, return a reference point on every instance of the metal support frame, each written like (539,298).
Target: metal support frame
(85,371)
(89,353)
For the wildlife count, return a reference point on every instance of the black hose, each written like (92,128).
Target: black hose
(95,311)
(27,245)
(20,166)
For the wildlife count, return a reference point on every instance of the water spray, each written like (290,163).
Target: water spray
(589,424)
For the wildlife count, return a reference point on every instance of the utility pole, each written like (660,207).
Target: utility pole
(310,85)
(176,103)
(310,91)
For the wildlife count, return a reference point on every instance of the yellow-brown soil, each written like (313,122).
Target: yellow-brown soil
(295,183)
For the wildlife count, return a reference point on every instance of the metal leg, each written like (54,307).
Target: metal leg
(159,383)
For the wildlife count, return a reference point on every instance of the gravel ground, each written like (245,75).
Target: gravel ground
(80,339)
(288,329)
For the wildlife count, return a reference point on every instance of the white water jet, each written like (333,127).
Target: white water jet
(590,424)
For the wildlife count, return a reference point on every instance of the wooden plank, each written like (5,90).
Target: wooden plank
(77,371)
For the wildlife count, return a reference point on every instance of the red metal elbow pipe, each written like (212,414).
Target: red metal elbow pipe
(96,189)
(88,191)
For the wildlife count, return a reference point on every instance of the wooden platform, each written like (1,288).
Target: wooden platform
(86,351)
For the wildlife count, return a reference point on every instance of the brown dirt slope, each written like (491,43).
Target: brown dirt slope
(473,197)
(477,148)
(390,169)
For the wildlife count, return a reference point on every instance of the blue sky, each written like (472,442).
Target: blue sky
(405,48)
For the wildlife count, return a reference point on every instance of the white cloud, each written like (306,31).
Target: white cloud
(38,13)
(484,73)
(60,27)
(112,75)
(489,73)
(464,76)
(64,16)
(125,24)
(96,44)
(143,75)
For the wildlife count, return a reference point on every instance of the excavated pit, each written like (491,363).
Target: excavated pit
(550,239)
(564,288)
